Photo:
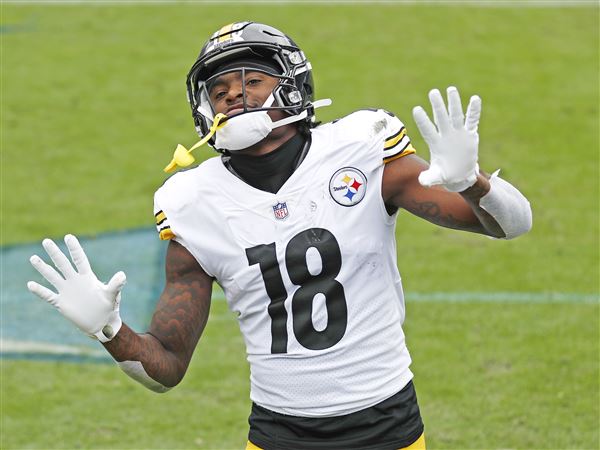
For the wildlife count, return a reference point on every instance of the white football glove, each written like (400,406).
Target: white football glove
(454,144)
(87,302)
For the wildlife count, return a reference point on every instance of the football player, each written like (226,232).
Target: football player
(295,221)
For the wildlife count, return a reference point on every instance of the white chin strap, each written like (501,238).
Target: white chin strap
(247,129)
(303,114)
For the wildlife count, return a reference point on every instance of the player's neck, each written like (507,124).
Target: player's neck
(268,172)
(274,140)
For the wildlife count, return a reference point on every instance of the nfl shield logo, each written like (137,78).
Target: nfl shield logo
(280,210)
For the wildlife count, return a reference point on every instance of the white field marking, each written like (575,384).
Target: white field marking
(475,3)
(488,297)
(25,347)
(504,297)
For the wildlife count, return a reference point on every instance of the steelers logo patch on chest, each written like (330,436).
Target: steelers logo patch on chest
(348,186)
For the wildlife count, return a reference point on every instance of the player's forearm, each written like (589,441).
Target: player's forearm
(159,359)
(145,359)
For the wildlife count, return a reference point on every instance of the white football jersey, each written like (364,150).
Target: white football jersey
(311,270)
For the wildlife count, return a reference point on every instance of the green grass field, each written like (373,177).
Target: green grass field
(93,103)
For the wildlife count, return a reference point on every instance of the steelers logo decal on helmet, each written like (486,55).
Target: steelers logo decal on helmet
(348,186)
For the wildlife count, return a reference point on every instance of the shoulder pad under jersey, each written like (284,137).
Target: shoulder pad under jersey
(381,125)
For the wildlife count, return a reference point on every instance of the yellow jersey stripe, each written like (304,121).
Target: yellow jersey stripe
(404,142)
(160,217)
(393,140)
(166,234)
(407,151)
(395,134)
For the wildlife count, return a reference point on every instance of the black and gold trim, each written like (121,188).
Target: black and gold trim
(160,217)
(405,151)
(164,231)
(396,146)
(394,139)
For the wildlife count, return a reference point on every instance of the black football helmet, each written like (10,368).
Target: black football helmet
(251,41)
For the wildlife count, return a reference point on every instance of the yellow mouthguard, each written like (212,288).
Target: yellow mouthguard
(182,157)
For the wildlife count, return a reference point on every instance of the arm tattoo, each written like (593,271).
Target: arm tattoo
(178,321)
(433,212)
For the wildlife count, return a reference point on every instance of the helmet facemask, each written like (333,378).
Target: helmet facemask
(292,94)
(283,89)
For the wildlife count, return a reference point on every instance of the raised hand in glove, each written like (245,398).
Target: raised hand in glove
(87,302)
(453,144)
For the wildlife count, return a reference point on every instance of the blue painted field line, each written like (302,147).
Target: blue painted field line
(16,349)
